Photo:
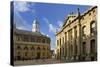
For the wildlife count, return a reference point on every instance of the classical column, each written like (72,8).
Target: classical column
(65,44)
(79,27)
(68,45)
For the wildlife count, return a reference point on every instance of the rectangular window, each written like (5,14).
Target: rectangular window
(71,34)
(75,32)
(32,39)
(92,28)
(25,38)
(92,46)
(84,47)
(65,36)
(18,37)
(63,40)
(58,42)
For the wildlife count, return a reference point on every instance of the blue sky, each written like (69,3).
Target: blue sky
(50,16)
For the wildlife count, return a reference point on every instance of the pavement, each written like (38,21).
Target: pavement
(38,62)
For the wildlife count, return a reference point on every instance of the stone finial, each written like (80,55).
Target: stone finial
(78,11)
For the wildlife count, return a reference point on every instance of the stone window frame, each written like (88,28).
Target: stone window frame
(38,48)
(18,38)
(83,30)
(43,41)
(91,29)
(32,48)
(84,48)
(75,31)
(25,48)
(19,47)
(32,39)
(92,46)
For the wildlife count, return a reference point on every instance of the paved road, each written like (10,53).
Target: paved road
(35,62)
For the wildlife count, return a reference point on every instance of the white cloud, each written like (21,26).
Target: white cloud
(20,22)
(46,20)
(60,23)
(42,33)
(21,27)
(21,6)
(52,28)
(47,35)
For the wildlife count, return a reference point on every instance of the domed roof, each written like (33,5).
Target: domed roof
(35,21)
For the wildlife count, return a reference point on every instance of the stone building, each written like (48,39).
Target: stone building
(77,39)
(30,45)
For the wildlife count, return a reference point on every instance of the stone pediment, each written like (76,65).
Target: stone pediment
(69,19)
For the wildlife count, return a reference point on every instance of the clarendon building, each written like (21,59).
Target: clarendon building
(30,45)
(77,39)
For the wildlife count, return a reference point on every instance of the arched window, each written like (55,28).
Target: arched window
(84,30)
(38,48)
(18,48)
(25,48)
(92,27)
(32,48)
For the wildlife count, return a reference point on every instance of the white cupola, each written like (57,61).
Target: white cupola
(35,26)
